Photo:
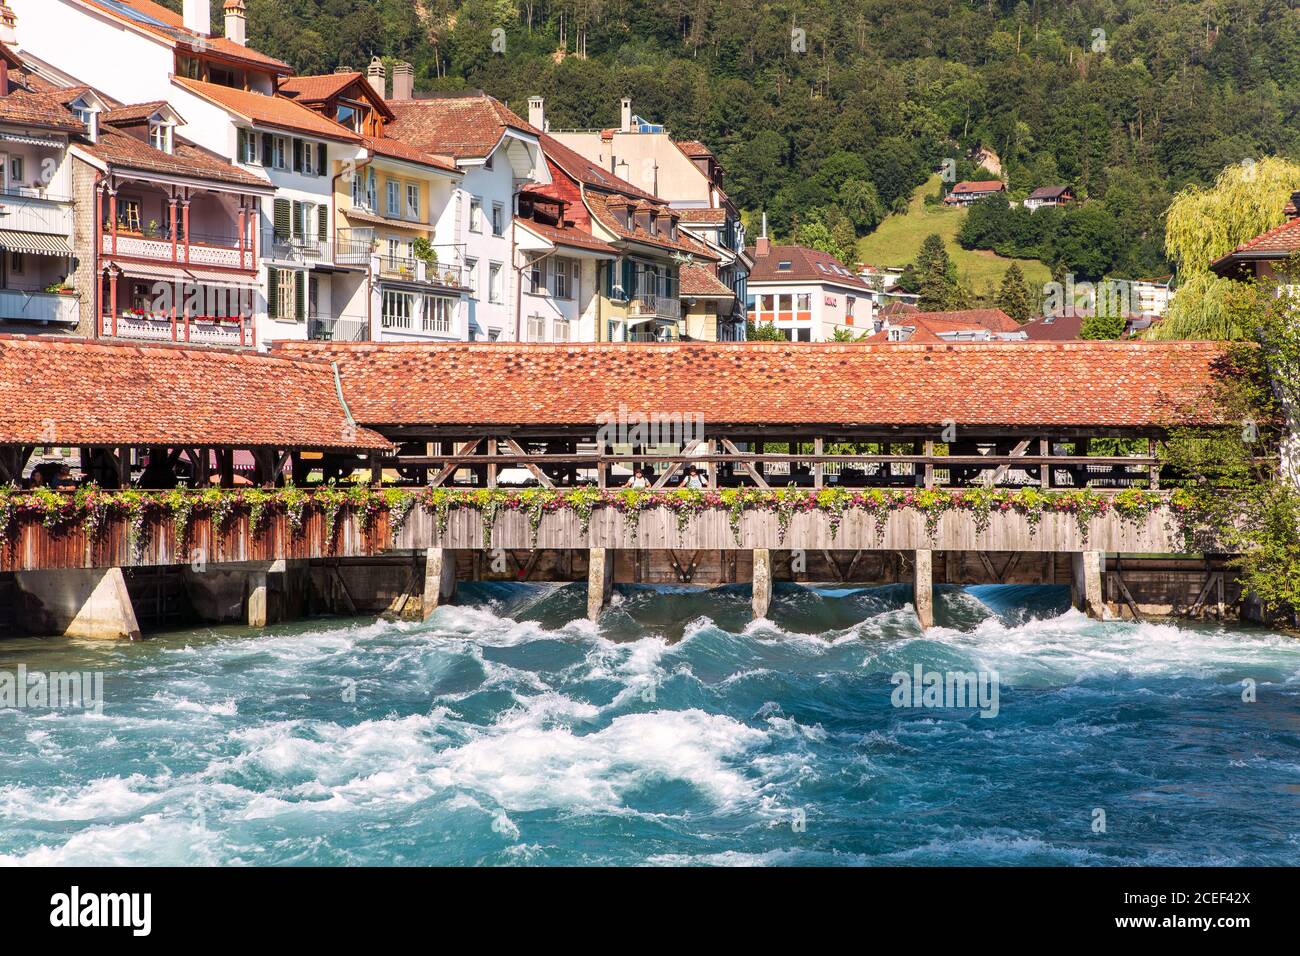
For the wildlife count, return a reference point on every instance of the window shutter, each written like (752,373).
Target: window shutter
(272,292)
(243,146)
(299,222)
(282,214)
(323,226)
(297,155)
(268,147)
(320,160)
(300,295)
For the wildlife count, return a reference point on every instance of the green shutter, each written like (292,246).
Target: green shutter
(323,226)
(272,293)
(283,211)
(300,295)
(243,146)
(268,147)
(320,160)
(297,155)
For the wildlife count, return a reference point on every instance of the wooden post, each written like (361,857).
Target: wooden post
(600,581)
(762,598)
(439,579)
(929,466)
(1085,589)
(711,448)
(257,599)
(492,468)
(819,469)
(1045,472)
(1155,467)
(923,589)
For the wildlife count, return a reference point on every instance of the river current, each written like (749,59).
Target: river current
(507,730)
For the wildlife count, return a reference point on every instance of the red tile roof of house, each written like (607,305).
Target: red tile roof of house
(278,112)
(897,307)
(120,149)
(1084,384)
(694,148)
(806,265)
(461,125)
(703,282)
(1280,242)
(598,203)
(567,236)
(978,186)
(83,392)
(396,149)
(32,102)
(933,326)
(697,214)
(170,26)
(319,87)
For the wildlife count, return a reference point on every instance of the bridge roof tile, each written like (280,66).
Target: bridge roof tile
(1122,385)
(75,392)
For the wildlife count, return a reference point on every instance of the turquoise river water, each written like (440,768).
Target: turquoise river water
(508,731)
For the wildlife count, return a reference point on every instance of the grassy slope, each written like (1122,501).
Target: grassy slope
(898,239)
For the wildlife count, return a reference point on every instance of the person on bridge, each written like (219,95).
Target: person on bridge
(638,480)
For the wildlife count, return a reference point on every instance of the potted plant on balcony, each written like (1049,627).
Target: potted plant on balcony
(60,288)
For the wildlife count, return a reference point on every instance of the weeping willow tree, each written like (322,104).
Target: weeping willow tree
(1202,225)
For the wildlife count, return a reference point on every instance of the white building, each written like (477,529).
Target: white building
(136,51)
(807,294)
(498,153)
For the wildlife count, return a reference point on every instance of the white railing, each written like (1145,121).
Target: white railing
(161,250)
(661,307)
(17,305)
(36,214)
(202,331)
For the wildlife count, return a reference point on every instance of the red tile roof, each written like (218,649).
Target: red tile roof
(31,102)
(278,112)
(697,214)
(597,202)
(462,125)
(567,236)
(933,326)
(694,148)
(978,186)
(170,26)
(321,87)
(89,393)
(1279,242)
(579,168)
(806,265)
(1085,384)
(703,282)
(124,151)
(396,149)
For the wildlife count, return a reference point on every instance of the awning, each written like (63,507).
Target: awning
(162,273)
(30,140)
(34,243)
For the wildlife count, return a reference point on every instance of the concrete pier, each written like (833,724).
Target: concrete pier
(923,589)
(84,603)
(1085,584)
(762,582)
(439,580)
(600,581)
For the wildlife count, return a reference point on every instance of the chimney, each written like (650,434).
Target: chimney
(537,112)
(377,76)
(197,16)
(403,81)
(762,248)
(626,124)
(8,31)
(236,22)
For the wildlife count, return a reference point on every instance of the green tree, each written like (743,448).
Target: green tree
(934,269)
(764,332)
(1013,295)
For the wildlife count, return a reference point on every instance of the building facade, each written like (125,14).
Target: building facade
(808,295)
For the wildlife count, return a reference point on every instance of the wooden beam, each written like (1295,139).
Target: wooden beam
(819,467)
(450,468)
(676,466)
(745,466)
(542,478)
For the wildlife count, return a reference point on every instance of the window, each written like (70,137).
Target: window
(614,331)
(17,170)
(285,288)
(471,270)
(128,214)
(308,160)
(279,152)
(498,219)
(785,300)
(437,314)
(189,67)
(397,310)
(537,277)
(565,278)
(348,116)
(475,214)
(785,265)
(394,189)
(804,301)
(16,265)
(223,77)
(249,154)
(561,330)
(536,328)
(412,201)
(160,137)
(496,289)
(848,308)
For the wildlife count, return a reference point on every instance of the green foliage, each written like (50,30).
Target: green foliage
(1014,297)
(764,332)
(1106,322)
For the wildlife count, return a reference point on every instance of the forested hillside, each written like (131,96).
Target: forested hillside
(838,109)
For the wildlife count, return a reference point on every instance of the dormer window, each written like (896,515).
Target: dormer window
(87,111)
(161,136)
(785,265)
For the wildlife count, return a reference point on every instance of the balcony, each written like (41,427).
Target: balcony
(443,275)
(202,250)
(30,210)
(237,331)
(19,306)
(291,248)
(326,328)
(654,306)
